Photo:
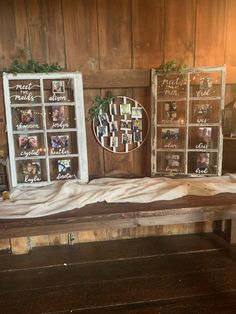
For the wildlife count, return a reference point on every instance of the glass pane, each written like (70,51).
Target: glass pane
(24,91)
(171,137)
(62,143)
(170,162)
(171,86)
(202,111)
(202,163)
(31,171)
(60,117)
(203,137)
(171,112)
(29,144)
(63,168)
(58,90)
(205,84)
(25,118)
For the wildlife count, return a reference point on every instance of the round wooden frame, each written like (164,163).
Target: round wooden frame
(141,143)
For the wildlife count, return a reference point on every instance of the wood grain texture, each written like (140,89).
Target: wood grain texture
(179,31)
(114,23)
(110,250)
(230,56)
(95,151)
(119,78)
(210,33)
(142,155)
(147,33)
(14,41)
(46,31)
(81,34)
(181,274)
(3,136)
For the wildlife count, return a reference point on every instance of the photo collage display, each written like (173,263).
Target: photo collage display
(121,129)
(187,135)
(32,144)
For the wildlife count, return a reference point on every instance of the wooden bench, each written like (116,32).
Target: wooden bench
(19,235)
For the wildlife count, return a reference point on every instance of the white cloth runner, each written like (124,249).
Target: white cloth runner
(63,196)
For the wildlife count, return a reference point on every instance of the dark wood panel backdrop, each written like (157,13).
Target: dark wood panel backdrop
(106,39)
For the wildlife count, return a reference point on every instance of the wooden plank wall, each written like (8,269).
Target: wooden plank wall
(113,37)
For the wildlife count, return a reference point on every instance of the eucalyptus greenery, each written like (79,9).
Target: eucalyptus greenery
(32,66)
(170,67)
(99,105)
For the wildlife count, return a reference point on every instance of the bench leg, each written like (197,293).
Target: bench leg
(233,232)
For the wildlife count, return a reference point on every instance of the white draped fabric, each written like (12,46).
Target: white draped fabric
(30,202)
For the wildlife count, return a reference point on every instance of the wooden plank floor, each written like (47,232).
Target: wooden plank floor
(174,274)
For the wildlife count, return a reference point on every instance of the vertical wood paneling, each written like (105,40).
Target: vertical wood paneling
(95,151)
(46,31)
(118,164)
(147,33)
(14,41)
(114,20)
(81,35)
(210,33)
(142,155)
(3,137)
(179,31)
(230,57)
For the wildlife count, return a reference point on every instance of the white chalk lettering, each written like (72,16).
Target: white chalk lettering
(61,125)
(201,146)
(201,171)
(57,98)
(60,151)
(66,176)
(32,180)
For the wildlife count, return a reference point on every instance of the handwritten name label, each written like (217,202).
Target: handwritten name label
(27,126)
(202,93)
(201,120)
(26,153)
(66,176)
(32,180)
(201,171)
(61,125)
(170,146)
(169,169)
(57,98)
(60,151)
(201,146)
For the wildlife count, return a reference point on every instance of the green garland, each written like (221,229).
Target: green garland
(32,66)
(170,67)
(99,105)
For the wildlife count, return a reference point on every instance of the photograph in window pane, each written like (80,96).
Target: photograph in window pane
(27,118)
(171,86)
(29,144)
(60,116)
(31,171)
(202,163)
(171,112)
(204,111)
(25,91)
(62,143)
(65,168)
(170,162)
(205,84)
(58,90)
(170,137)
(203,137)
